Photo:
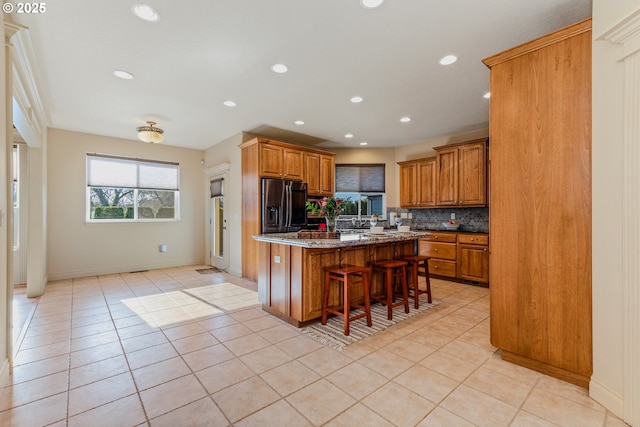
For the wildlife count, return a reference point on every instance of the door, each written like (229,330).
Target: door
(219,253)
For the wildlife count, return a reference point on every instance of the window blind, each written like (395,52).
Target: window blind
(122,172)
(364,178)
(217,187)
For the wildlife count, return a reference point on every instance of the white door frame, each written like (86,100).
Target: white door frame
(215,172)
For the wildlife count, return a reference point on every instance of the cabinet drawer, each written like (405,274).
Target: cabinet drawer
(442,267)
(472,239)
(437,250)
(440,237)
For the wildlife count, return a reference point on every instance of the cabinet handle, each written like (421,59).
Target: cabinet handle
(436,267)
(485,249)
(472,239)
(435,237)
(435,250)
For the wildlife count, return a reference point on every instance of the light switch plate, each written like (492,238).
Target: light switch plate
(453,215)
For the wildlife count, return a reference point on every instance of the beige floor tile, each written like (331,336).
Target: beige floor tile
(206,357)
(184,331)
(357,380)
(428,337)
(261,323)
(148,356)
(507,389)
(280,413)
(266,358)
(568,391)
(299,345)
(478,338)
(399,405)
(525,419)
(279,333)
(97,371)
(613,421)
(427,383)
(231,332)
(96,328)
(217,322)
(143,341)
(202,412)
(168,396)
(223,375)
(158,373)
(359,349)
(39,369)
(38,413)
(448,328)
(125,411)
(412,350)
(522,374)
(100,392)
(42,352)
(47,328)
(30,391)
(386,363)
(358,415)
(95,354)
(290,377)
(449,365)
(194,342)
(63,337)
(467,352)
(90,316)
(94,340)
(479,408)
(562,411)
(321,401)
(440,417)
(245,398)
(325,360)
(246,344)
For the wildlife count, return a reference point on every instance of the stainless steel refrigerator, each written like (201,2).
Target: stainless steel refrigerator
(283,205)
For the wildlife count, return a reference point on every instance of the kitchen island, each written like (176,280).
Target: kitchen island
(291,269)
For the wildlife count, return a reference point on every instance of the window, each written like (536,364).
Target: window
(15,163)
(362,187)
(125,189)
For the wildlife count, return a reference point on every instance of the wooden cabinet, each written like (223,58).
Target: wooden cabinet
(265,158)
(540,217)
(473,257)
(319,174)
(441,248)
(462,174)
(281,162)
(418,183)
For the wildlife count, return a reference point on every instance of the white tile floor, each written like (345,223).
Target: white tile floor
(173,347)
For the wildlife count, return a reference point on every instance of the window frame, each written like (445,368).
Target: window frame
(135,197)
(360,193)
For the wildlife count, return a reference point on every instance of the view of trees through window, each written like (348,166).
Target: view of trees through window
(129,203)
(361,205)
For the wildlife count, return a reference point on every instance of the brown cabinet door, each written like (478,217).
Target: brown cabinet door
(408,179)
(425,183)
(438,250)
(270,161)
(473,262)
(441,267)
(472,175)
(447,164)
(327,173)
(292,164)
(312,173)
(313,281)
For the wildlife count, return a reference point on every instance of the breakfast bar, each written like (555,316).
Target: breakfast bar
(291,267)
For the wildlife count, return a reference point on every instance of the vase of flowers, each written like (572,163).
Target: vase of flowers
(329,208)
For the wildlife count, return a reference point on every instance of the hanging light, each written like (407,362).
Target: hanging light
(150,133)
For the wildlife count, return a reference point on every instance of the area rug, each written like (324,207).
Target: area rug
(210,270)
(332,334)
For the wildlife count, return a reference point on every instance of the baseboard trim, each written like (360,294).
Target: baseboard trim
(122,269)
(552,371)
(606,397)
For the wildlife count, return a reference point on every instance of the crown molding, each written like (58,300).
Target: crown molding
(625,32)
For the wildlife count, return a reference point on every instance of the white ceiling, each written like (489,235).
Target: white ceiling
(203,52)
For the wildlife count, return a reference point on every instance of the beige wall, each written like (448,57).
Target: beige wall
(5,292)
(77,248)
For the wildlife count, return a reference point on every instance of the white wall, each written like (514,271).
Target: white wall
(610,381)
(77,248)
(5,143)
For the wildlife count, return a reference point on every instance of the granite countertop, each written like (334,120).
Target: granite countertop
(346,239)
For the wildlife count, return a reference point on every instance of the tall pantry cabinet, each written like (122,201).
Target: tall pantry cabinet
(540,216)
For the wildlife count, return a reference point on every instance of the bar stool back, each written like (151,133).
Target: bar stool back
(392,270)
(415,263)
(348,275)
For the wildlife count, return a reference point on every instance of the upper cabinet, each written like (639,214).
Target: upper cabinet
(418,183)
(318,173)
(281,162)
(462,174)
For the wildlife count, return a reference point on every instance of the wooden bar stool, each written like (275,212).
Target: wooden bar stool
(349,275)
(415,263)
(392,269)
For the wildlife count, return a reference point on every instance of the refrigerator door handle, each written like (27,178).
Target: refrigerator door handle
(288,204)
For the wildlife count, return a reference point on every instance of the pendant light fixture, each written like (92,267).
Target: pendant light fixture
(150,133)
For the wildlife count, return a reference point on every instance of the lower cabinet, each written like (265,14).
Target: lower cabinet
(457,255)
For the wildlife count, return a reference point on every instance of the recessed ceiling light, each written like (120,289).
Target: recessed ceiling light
(357,99)
(279,68)
(364,143)
(348,135)
(146,13)
(448,60)
(405,119)
(229,103)
(487,95)
(371,4)
(299,122)
(123,74)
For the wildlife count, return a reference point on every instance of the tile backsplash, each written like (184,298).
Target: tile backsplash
(470,219)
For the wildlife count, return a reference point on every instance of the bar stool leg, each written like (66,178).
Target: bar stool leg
(405,289)
(347,304)
(426,275)
(389,287)
(416,289)
(367,290)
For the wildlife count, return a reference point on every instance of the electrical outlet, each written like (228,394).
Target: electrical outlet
(276,259)
(403,214)
(453,215)
(410,215)
(162,248)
